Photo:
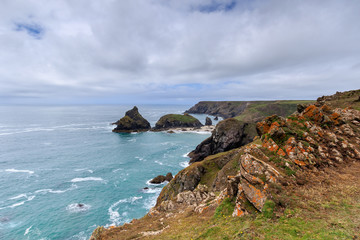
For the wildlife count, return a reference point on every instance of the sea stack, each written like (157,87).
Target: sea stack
(177,121)
(208,121)
(132,122)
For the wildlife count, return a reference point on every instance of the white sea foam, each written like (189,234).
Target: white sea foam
(19,171)
(113,211)
(152,190)
(116,170)
(160,163)
(75,207)
(86,179)
(184,164)
(157,184)
(186,155)
(84,169)
(23,195)
(27,230)
(49,190)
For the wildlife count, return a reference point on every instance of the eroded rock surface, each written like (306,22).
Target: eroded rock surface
(228,134)
(132,122)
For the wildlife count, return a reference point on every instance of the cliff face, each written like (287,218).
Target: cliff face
(228,134)
(177,121)
(132,122)
(247,111)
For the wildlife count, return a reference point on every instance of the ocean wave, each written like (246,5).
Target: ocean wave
(114,212)
(153,184)
(152,190)
(49,190)
(28,198)
(27,230)
(84,169)
(86,179)
(158,162)
(186,155)
(78,207)
(116,170)
(184,164)
(19,171)
(23,195)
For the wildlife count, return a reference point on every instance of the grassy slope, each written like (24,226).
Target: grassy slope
(260,109)
(345,99)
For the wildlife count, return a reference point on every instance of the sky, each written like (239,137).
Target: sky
(176,51)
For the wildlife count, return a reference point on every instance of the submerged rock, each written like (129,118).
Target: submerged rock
(161,178)
(208,121)
(177,121)
(227,135)
(132,122)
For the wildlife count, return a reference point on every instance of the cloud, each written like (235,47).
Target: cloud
(156,51)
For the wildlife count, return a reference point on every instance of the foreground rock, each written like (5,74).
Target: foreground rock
(161,178)
(132,122)
(228,134)
(171,121)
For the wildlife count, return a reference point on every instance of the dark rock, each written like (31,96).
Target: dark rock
(227,135)
(216,118)
(80,205)
(170,131)
(208,121)
(176,121)
(161,178)
(145,188)
(132,122)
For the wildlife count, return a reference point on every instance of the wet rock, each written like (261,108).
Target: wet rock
(216,118)
(161,178)
(132,122)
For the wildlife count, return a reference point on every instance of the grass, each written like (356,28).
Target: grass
(178,117)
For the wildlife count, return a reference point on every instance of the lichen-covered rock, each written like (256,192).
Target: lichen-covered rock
(228,134)
(177,121)
(132,122)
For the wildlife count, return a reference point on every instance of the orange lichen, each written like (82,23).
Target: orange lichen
(300,163)
(281,152)
(271,145)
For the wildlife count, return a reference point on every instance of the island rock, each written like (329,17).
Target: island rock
(132,122)
(177,121)
(208,121)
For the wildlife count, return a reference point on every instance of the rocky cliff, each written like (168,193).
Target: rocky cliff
(132,122)
(299,179)
(176,121)
(228,134)
(247,111)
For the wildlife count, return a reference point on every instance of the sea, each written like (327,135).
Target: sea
(53,158)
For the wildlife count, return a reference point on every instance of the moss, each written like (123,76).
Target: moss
(289,171)
(268,209)
(225,208)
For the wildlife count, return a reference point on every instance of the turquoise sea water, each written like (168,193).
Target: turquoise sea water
(53,157)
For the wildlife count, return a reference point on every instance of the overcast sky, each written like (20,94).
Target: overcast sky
(176,51)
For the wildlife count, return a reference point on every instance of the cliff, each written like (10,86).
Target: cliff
(247,111)
(176,121)
(300,179)
(228,134)
(132,122)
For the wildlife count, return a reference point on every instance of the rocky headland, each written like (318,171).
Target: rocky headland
(299,179)
(247,111)
(132,122)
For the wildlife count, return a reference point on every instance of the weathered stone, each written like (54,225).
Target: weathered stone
(208,121)
(132,122)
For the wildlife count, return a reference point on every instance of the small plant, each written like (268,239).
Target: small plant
(268,209)
(225,208)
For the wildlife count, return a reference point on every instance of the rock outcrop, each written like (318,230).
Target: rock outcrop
(177,121)
(208,121)
(289,148)
(161,178)
(228,134)
(132,122)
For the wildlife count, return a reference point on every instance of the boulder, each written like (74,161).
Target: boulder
(208,121)
(132,122)
(216,118)
(227,135)
(161,178)
(177,121)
